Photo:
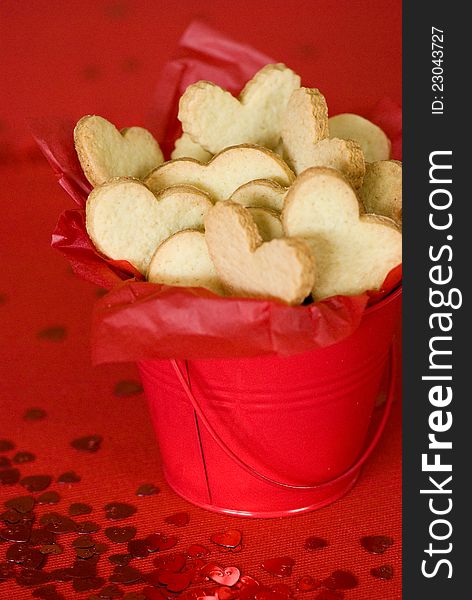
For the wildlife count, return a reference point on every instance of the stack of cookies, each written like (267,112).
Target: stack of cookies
(265,195)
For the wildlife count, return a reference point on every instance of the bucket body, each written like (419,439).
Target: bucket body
(270,436)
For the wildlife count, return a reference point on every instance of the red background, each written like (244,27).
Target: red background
(71,58)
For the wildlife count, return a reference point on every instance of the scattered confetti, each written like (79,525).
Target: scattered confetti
(280,567)
(88,443)
(376,544)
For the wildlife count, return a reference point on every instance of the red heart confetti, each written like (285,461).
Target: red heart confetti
(84,541)
(60,524)
(147,489)
(209,567)
(9,476)
(50,497)
(138,548)
(341,580)
(382,572)
(29,549)
(307,583)
(315,543)
(172,563)
(120,535)
(226,593)
(157,542)
(376,544)
(154,577)
(79,508)
(125,575)
(16,553)
(229,576)
(195,566)
(115,511)
(68,477)
(23,457)
(229,539)
(18,532)
(248,581)
(179,519)
(197,551)
(176,582)
(36,483)
(280,567)
(85,553)
(21,504)
(10,516)
(87,527)
(50,549)
(120,559)
(88,443)
(41,536)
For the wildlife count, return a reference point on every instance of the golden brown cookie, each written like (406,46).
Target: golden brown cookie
(224,173)
(282,269)
(104,152)
(126,221)
(353,251)
(215,119)
(183,260)
(381,191)
(373,141)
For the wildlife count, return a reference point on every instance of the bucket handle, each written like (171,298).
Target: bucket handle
(359,462)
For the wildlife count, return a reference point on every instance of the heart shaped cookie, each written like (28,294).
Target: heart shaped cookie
(262,193)
(183,260)
(353,251)
(104,152)
(381,191)
(215,119)
(126,221)
(343,155)
(282,269)
(268,223)
(185,147)
(305,138)
(280,567)
(224,173)
(304,124)
(373,141)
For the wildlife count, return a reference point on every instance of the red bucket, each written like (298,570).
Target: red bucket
(271,436)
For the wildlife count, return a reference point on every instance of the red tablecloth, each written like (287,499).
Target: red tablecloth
(104,57)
